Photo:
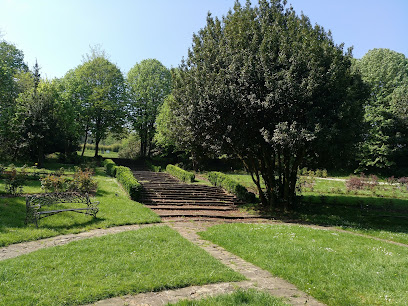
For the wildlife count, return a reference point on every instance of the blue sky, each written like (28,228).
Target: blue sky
(59,32)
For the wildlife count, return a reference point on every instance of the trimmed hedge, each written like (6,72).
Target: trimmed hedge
(224,181)
(181,174)
(125,176)
(110,167)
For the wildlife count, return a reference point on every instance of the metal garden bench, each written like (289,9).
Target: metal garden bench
(34,203)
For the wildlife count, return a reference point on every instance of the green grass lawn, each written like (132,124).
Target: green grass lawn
(336,268)
(237,298)
(91,153)
(115,209)
(149,259)
(376,213)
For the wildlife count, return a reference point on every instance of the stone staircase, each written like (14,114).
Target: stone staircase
(172,199)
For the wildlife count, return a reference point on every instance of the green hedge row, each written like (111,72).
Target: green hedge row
(110,167)
(181,174)
(125,176)
(224,181)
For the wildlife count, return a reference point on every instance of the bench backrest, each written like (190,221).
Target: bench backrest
(53,198)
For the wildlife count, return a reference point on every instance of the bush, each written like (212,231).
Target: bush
(110,167)
(14,180)
(181,174)
(221,180)
(54,183)
(83,182)
(125,176)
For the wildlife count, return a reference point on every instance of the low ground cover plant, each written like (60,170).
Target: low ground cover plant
(98,268)
(181,174)
(336,268)
(237,298)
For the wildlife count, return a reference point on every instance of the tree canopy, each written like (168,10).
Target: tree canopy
(149,83)
(263,84)
(98,88)
(385,144)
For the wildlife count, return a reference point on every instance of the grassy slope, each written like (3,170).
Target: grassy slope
(115,208)
(237,298)
(336,268)
(85,271)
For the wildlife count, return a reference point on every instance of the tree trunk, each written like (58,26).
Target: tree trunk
(86,139)
(97,146)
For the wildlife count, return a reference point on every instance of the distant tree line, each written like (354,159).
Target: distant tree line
(262,85)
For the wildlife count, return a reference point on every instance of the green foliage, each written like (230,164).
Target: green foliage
(82,182)
(97,91)
(110,167)
(144,260)
(221,180)
(149,83)
(130,147)
(181,174)
(385,146)
(265,85)
(125,176)
(336,268)
(14,180)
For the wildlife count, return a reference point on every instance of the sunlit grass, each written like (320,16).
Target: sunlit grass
(115,209)
(336,268)
(237,298)
(91,153)
(150,259)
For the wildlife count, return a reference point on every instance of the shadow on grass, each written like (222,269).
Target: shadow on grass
(363,213)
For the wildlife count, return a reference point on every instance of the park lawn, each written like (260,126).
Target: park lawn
(335,268)
(91,153)
(237,298)
(330,204)
(85,271)
(115,208)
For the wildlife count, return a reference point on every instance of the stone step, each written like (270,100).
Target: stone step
(191,207)
(204,214)
(186,202)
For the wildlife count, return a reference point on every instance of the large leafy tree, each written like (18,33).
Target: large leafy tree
(385,144)
(36,121)
(98,88)
(149,83)
(14,77)
(263,84)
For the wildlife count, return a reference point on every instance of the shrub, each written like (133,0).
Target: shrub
(54,183)
(14,180)
(110,167)
(125,176)
(355,183)
(224,181)
(83,182)
(181,174)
